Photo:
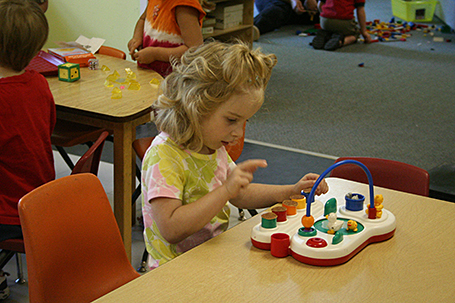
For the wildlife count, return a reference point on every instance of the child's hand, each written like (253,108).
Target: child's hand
(134,44)
(307,182)
(297,6)
(144,56)
(241,176)
(366,37)
(311,6)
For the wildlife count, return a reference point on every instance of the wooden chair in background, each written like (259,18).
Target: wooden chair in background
(75,252)
(386,173)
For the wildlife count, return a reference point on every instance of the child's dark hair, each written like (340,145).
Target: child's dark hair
(23,32)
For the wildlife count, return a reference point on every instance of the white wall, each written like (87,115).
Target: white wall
(112,20)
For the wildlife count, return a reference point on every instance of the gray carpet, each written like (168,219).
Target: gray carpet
(399,106)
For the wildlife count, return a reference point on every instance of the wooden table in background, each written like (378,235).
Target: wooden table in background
(416,265)
(89,101)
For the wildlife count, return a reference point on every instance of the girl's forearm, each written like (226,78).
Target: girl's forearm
(263,195)
(185,220)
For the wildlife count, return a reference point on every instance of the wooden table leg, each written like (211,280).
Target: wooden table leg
(124,134)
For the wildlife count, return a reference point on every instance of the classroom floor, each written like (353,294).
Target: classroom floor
(19,292)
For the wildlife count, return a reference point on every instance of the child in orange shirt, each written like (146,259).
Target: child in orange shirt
(164,31)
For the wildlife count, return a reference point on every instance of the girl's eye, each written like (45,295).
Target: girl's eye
(232,120)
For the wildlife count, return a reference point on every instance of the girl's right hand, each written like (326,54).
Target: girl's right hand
(242,176)
(134,44)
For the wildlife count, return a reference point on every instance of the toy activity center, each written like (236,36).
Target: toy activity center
(342,228)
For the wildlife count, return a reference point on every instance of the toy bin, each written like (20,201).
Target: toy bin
(412,11)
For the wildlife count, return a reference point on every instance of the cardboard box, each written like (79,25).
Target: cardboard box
(228,16)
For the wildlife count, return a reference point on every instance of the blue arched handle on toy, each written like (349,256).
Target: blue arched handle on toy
(310,198)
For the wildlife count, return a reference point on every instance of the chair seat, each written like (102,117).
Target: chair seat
(69,134)
(16,245)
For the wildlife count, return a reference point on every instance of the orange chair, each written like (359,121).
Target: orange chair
(75,252)
(110,51)
(90,161)
(67,134)
(386,173)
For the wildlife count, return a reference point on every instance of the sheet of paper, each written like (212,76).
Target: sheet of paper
(92,45)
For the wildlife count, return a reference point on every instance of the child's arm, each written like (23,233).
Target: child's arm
(264,195)
(361,18)
(188,21)
(176,221)
(320,4)
(138,33)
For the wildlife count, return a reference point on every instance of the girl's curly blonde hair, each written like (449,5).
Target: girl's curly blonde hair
(202,79)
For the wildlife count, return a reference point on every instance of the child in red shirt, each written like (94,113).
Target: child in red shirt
(27,116)
(338,25)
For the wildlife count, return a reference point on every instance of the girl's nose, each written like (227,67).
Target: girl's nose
(238,132)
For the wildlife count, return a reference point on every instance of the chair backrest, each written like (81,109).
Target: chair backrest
(75,252)
(113,52)
(90,160)
(386,173)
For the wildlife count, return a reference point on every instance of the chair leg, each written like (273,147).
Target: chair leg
(136,194)
(5,256)
(253,212)
(65,157)
(143,267)
(241,215)
(20,270)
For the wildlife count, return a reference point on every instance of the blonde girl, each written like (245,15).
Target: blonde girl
(188,177)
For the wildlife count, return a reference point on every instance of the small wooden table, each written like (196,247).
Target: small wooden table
(416,265)
(89,101)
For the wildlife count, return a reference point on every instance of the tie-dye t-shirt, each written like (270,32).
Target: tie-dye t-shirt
(172,172)
(161,28)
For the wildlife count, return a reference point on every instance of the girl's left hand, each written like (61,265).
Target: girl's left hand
(307,182)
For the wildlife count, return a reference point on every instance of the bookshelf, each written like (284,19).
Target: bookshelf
(243,32)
